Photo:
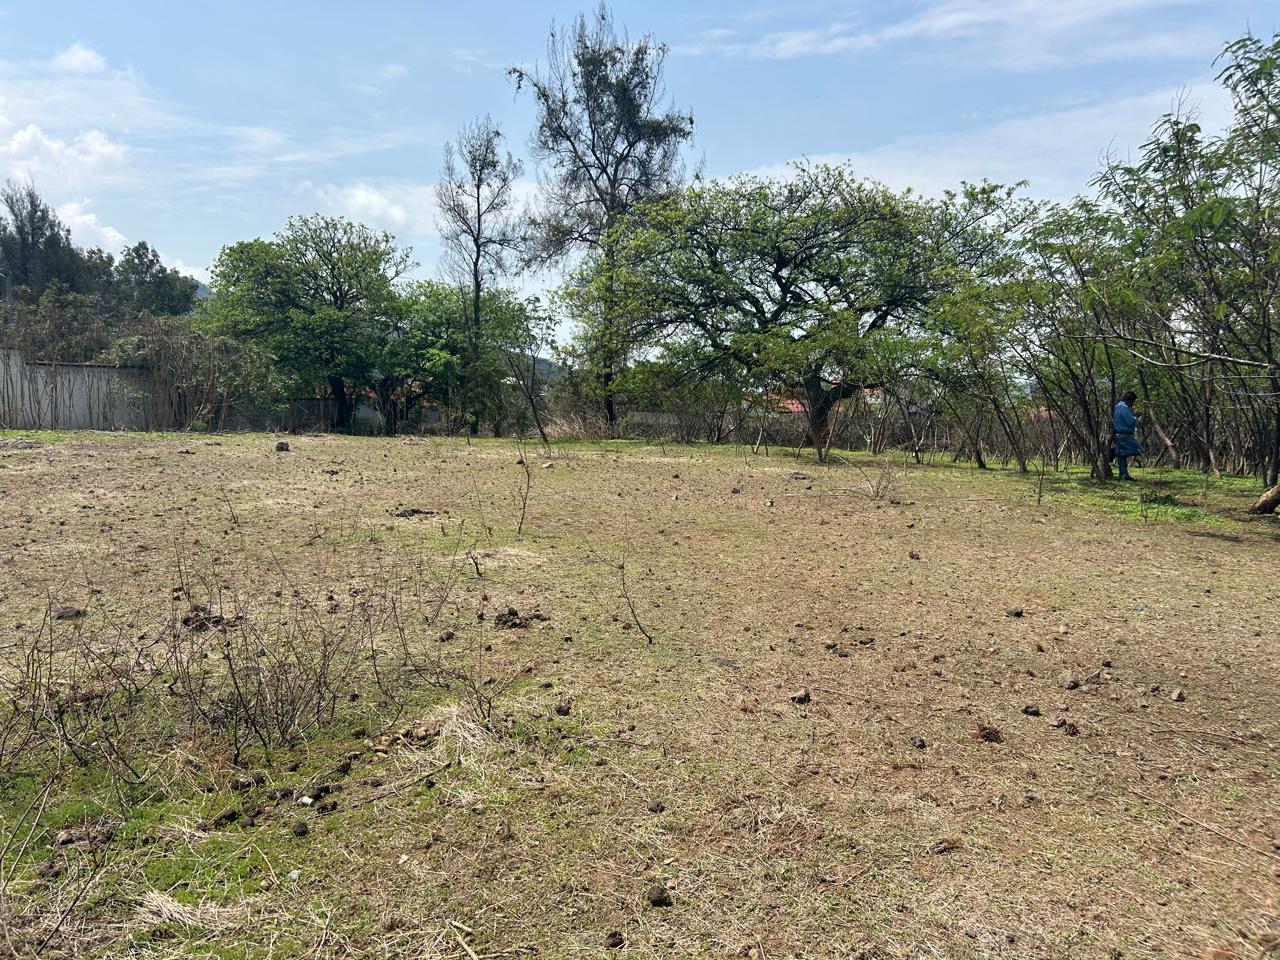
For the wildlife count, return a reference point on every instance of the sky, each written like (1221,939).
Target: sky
(192,126)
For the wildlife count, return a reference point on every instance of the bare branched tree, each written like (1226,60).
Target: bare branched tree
(477,221)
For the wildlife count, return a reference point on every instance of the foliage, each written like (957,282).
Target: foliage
(809,283)
(320,295)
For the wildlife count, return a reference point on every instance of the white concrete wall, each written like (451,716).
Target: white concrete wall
(47,396)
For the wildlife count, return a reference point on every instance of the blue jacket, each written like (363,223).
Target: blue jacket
(1124,420)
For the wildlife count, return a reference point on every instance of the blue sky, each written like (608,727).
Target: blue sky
(195,125)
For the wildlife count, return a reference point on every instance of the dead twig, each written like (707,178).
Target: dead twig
(1204,826)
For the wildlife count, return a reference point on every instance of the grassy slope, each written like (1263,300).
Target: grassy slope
(779,828)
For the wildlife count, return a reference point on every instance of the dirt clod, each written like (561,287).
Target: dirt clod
(614,940)
(49,869)
(300,829)
(989,734)
(658,896)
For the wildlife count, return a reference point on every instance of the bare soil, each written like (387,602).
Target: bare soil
(749,714)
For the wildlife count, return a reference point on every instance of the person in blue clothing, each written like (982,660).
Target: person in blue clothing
(1125,422)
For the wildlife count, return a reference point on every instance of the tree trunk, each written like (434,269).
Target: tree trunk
(610,409)
(1269,502)
(341,404)
(1273,468)
(821,403)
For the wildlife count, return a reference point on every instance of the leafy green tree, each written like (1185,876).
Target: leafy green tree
(800,281)
(140,283)
(421,361)
(321,294)
(521,331)
(1203,218)
(62,326)
(35,246)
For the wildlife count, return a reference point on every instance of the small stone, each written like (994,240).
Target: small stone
(1178,695)
(658,896)
(300,829)
(919,743)
(1013,612)
(563,708)
(69,613)
(1031,710)
(1069,682)
(293,874)
(282,446)
(548,465)
(656,806)
(614,940)
(801,696)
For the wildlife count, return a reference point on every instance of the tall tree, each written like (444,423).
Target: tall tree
(141,283)
(476,200)
(35,246)
(606,139)
(1203,211)
(804,282)
(321,293)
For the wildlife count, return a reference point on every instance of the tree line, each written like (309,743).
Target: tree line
(982,320)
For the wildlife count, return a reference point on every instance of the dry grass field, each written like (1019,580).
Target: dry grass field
(406,698)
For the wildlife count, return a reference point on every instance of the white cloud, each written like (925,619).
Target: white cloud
(199,273)
(87,230)
(392,71)
(1007,34)
(468,61)
(78,58)
(76,89)
(59,165)
(1057,151)
(396,207)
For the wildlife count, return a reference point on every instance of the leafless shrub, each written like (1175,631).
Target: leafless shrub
(884,478)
